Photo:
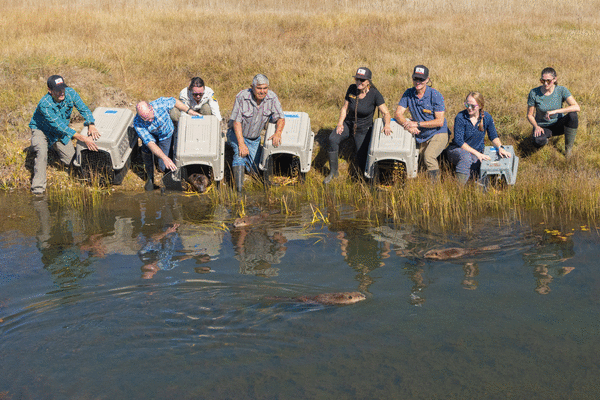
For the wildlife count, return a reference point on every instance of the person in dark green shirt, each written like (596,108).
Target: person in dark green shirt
(546,114)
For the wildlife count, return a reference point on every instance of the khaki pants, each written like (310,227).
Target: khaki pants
(39,143)
(175,113)
(430,150)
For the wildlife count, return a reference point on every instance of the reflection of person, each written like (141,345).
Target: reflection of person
(50,128)
(356,119)
(257,251)
(199,98)
(252,109)
(157,253)
(154,126)
(466,149)
(427,123)
(546,114)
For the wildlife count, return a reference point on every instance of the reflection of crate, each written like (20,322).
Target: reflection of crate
(502,167)
(200,142)
(400,146)
(296,140)
(116,142)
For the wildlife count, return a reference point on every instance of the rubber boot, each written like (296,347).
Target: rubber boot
(434,175)
(462,178)
(570,134)
(238,177)
(333,167)
(149,167)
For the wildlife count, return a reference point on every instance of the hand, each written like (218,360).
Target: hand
(89,142)
(192,112)
(537,131)
(169,164)
(548,115)
(415,131)
(339,129)
(503,153)
(482,157)
(387,131)
(93,132)
(243,150)
(276,138)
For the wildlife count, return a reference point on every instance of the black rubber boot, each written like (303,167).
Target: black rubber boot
(570,134)
(238,177)
(434,175)
(333,167)
(149,167)
(462,178)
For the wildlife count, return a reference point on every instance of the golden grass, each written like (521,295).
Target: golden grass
(119,52)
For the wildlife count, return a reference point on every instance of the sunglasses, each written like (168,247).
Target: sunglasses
(471,106)
(547,81)
(360,80)
(418,79)
(198,94)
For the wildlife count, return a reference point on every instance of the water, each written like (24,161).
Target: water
(154,296)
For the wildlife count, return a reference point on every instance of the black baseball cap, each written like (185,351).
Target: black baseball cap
(421,72)
(363,73)
(56,82)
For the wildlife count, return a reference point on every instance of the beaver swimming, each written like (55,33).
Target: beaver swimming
(456,252)
(198,182)
(328,299)
(249,220)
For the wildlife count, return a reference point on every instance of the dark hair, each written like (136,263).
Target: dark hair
(196,82)
(549,70)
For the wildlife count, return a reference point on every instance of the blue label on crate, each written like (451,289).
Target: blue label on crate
(292,116)
(110,112)
(197,117)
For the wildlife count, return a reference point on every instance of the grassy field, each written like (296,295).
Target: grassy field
(119,52)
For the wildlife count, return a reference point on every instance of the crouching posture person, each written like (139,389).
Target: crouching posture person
(546,114)
(50,128)
(154,126)
(465,151)
(252,109)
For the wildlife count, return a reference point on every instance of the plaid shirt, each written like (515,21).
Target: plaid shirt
(161,127)
(53,117)
(252,116)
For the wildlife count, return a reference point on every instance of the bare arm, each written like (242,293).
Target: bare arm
(89,142)
(184,108)
(159,153)
(343,112)
(537,130)
(387,119)
(276,137)
(242,148)
(572,107)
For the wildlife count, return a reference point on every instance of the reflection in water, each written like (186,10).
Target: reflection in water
(471,271)
(257,251)
(547,260)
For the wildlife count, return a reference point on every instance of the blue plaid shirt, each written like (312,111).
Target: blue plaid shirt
(53,117)
(161,127)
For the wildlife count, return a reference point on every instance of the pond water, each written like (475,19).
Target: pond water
(159,296)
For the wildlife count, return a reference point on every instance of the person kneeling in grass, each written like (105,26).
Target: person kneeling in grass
(465,151)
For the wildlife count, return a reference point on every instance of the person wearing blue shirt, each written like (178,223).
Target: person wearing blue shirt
(50,128)
(427,123)
(465,151)
(154,126)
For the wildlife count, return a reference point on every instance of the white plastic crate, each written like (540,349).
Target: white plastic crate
(506,167)
(200,141)
(400,145)
(297,140)
(115,144)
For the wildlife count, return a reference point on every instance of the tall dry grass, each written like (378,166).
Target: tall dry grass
(119,52)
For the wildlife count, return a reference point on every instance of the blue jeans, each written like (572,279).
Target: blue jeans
(252,160)
(464,162)
(165,146)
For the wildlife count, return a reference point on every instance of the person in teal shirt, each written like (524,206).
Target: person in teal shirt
(546,114)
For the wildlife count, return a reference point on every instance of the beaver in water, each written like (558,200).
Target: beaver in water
(198,182)
(328,299)
(456,252)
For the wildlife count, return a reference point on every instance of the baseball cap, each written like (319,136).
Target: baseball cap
(420,71)
(363,73)
(56,82)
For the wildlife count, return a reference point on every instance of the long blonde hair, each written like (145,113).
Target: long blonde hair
(478,97)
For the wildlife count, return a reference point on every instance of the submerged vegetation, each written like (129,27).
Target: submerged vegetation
(118,53)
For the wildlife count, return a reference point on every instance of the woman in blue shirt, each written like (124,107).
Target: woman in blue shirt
(470,125)
(427,123)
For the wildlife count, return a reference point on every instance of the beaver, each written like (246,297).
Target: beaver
(456,252)
(249,220)
(198,182)
(328,299)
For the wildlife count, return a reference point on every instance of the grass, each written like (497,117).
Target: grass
(118,53)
